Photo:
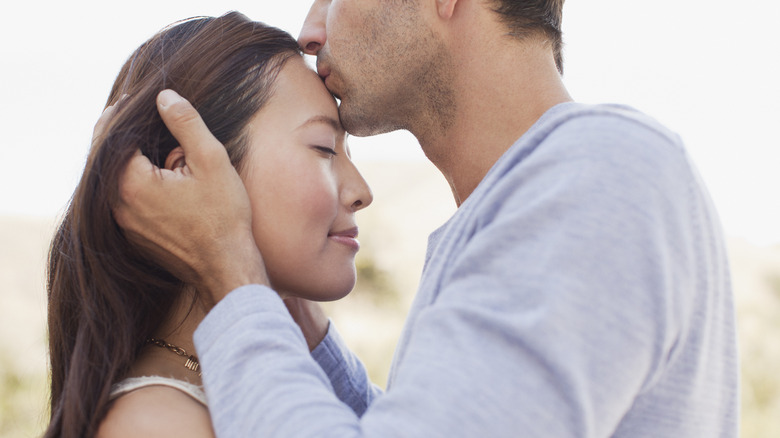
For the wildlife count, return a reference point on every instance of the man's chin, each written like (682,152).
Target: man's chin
(359,124)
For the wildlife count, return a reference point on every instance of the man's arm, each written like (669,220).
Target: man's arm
(558,312)
(561,348)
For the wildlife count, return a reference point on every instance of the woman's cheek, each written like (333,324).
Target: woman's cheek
(316,192)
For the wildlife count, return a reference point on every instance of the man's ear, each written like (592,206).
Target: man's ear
(175,159)
(446,8)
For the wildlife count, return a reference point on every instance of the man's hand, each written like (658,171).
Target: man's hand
(195,219)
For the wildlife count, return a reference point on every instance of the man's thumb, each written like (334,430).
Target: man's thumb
(201,149)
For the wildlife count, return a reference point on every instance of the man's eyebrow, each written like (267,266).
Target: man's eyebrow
(330,121)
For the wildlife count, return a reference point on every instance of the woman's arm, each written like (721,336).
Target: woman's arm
(346,372)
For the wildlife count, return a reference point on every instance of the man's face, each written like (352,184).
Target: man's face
(378,57)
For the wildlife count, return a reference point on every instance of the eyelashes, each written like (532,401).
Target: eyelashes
(326,150)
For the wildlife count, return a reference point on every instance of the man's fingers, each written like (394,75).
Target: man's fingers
(138,174)
(102,123)
(201,149)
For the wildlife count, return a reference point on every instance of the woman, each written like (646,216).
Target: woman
(120,326)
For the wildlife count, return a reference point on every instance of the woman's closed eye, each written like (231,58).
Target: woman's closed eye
(326,150)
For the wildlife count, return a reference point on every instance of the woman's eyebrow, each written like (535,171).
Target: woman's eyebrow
(330,121)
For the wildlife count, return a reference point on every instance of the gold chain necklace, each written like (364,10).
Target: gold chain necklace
(192,361)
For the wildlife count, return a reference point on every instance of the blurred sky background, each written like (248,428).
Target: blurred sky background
(709,70)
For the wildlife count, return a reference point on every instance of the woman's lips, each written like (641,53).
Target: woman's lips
(346,237)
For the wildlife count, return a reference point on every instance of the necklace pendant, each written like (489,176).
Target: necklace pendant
(192,361)
(192,364)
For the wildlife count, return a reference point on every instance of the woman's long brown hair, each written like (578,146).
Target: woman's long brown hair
(105,296)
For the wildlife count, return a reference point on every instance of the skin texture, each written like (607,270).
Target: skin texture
(362,66)
(304,192)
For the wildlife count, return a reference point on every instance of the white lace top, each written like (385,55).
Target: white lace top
(133,383)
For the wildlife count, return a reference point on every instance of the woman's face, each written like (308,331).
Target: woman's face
(304,189)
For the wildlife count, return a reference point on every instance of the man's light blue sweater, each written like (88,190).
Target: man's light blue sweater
(582,290)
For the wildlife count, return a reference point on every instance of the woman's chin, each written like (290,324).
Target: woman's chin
(330,284)
(328,295)
(322,293)
(325,293)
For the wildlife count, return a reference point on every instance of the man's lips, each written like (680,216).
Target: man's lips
(323,70)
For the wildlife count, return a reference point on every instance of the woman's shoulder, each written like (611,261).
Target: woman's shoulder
(155,408)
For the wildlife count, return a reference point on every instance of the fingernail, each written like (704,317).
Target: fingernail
(167,98)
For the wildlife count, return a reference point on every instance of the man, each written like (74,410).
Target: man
(581,289)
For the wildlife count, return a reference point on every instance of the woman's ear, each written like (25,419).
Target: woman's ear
(175,159)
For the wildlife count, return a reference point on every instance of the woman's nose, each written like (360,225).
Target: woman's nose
(358,194)
(312,36)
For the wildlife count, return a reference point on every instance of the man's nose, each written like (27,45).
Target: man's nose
(312,36)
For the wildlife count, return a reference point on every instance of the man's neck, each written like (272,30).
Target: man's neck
(500,93)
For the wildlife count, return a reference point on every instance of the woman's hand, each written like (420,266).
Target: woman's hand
(195,220)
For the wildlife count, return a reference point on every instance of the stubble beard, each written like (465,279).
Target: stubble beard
(408,85)
(361,116)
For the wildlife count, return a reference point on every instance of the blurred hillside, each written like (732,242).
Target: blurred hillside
(756,274)
(23,362)
(411,200)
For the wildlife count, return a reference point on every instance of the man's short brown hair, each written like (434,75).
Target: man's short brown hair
(529,17)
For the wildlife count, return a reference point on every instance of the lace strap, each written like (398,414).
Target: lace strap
(133,383)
